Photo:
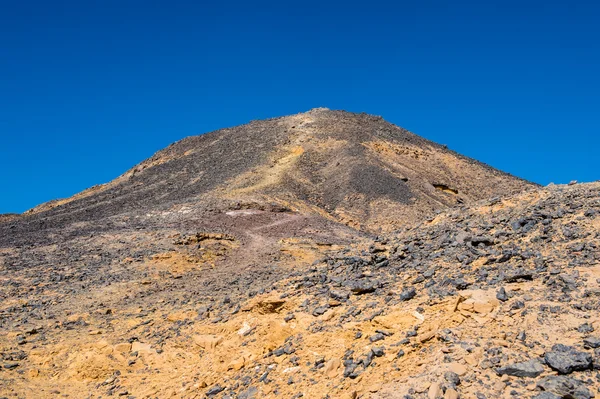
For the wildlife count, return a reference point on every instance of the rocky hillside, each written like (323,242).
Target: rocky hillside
(356,169)
(321,255)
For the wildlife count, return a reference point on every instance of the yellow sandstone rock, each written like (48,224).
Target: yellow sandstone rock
(123,347)
(207,342)
(331,367)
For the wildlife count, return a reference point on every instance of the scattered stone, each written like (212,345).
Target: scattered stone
(363,286)
(451,394)
(565,387)
(378,351)
(566,359)
(585,328)
(376,337)
(452,377)
(339,295)
(517,275)
(435,391)
(458,369)
(320,310)
(331,367)
(591,342)
(289,317)
(501,295)
(215,390)
(408,294)
(530,368)
(547,395)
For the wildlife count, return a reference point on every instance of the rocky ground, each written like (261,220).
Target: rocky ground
(499,299)
(236,293)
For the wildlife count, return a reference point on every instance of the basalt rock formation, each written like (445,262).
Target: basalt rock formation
(319,255)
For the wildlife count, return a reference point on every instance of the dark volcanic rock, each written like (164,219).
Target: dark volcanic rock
(363,286)
(501,295)
(566,359)
(215,390)
(565,387)
(530,368)
(547,395)
(591,342)
(408,293)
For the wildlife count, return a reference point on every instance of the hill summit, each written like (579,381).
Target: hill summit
(355,169)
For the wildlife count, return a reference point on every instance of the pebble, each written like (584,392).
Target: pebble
(452,377)
(457,368)
(376,337)
(215,390)
(435,391)
(408,294)
(501,295)
(451,394)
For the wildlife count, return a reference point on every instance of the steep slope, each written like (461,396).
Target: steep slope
(351,168)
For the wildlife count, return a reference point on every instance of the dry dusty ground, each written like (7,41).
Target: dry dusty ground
(495,284)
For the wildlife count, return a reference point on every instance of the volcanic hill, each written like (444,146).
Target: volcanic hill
(319,255)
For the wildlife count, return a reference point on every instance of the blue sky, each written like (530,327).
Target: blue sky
(90,88)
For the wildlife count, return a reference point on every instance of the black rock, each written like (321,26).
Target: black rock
(596,359)
(366,361)
(249,393)
(530,368)
(408,293)
(215,390)
(289,317)
(378,351)
(518,275)
(452,378)
(566,359)
(359,287)
(339,295)
(585,328)
(565,387)
(590,213)
(350,368)
(376,337)
(546,395)
(486,241)
(319,311)
(591,342)
(501,295)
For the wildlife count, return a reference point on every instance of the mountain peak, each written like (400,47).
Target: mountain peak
(357,169)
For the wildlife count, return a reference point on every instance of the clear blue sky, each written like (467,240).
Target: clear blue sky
(90,88)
